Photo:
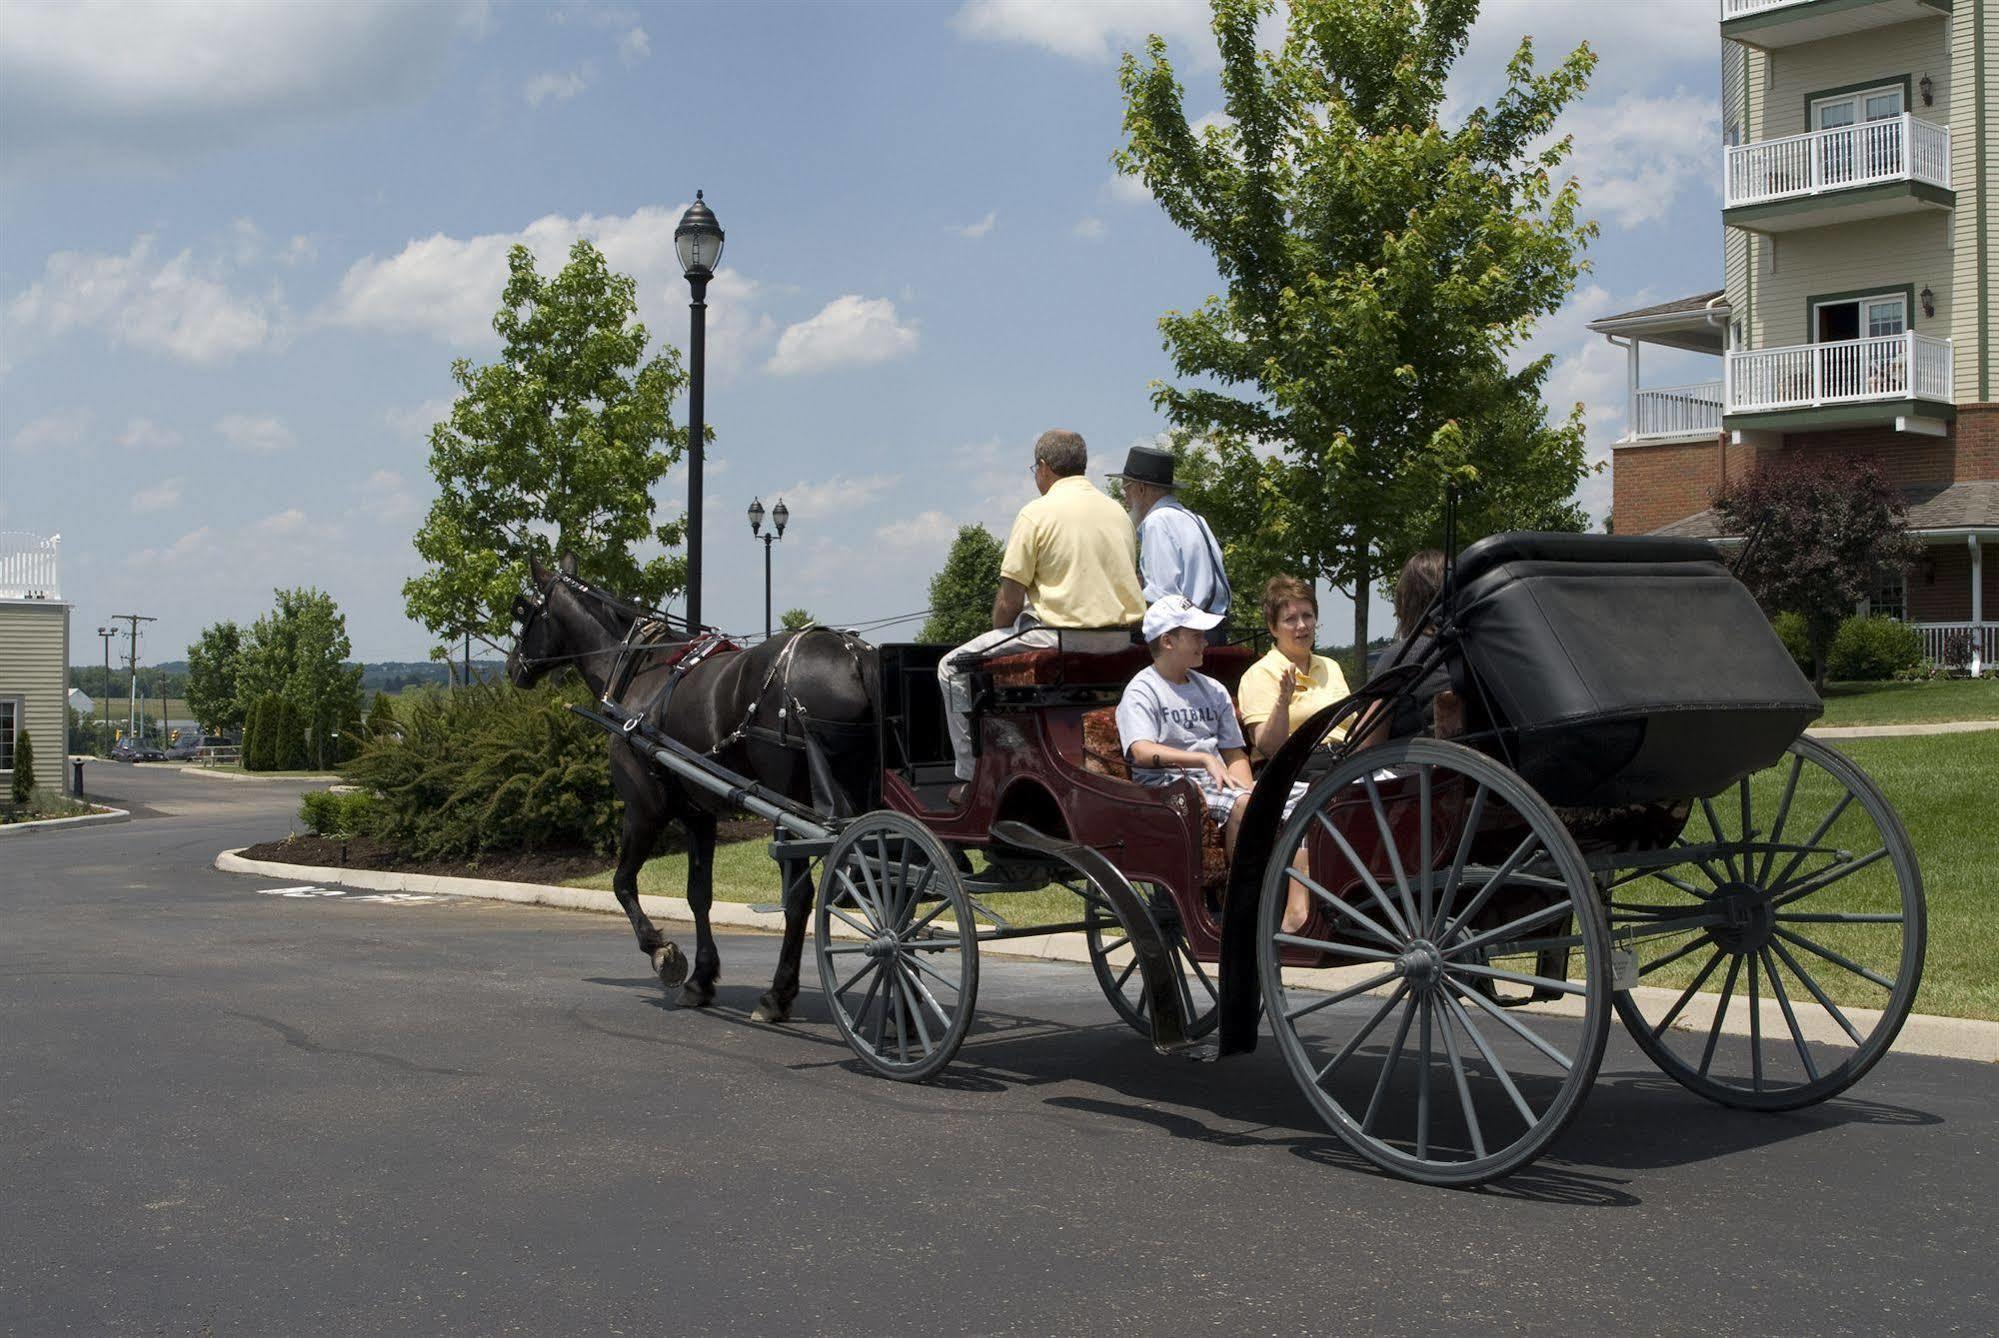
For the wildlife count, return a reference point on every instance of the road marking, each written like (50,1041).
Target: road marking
(307,890)
(400,898)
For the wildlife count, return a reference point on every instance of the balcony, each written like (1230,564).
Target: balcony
(1773,24)
(1893,166)
(28,566)
(1900,378)
(1676,411)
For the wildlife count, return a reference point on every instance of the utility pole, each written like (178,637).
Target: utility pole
(104,688)
(132,662)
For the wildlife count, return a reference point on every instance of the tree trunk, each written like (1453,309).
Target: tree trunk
(1362,597)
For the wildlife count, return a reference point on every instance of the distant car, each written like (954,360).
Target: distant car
(129,751)
(193,746)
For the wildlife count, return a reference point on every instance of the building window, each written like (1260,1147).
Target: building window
(1890,596)
(10,723)
(1858,318)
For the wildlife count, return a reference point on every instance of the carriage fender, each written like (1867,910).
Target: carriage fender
(1241,993)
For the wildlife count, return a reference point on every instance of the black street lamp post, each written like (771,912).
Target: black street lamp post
(778,517)
(698,242)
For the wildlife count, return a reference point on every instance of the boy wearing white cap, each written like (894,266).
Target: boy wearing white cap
(1177,724)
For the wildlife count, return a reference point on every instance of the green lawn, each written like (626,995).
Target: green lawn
(1911,703)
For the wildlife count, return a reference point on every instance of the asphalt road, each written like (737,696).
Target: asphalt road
(229,1112)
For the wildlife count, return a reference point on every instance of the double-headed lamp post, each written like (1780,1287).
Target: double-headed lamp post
(698,242)
(778,516)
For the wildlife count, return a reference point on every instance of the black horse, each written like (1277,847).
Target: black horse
(737,706)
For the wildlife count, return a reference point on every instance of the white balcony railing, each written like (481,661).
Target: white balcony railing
(1847,371)
(28,566)
(1898,148)
(1672,411)
(1736,9)
(1960,645)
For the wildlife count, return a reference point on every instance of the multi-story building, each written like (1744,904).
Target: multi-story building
(1860,240)
(34,659)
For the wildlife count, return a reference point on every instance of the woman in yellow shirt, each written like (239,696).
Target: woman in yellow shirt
(1290,684)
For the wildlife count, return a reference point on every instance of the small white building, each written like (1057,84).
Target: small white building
(80,702)
(34,658)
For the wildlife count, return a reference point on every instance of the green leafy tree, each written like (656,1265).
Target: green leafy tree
(253,722)
(298,652)
(793,619)
(24,768)
(962,592)
(1379,270)
(555,448)
(212,665)
(1815,532)
(381,717)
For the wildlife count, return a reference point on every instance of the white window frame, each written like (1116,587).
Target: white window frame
(12,729)
(1859,101)
(1890,584)
(1860,305)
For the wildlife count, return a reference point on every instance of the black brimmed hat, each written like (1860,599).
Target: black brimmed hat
(1148,464)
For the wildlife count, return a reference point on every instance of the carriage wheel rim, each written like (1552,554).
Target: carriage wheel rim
(1786,947)
(1115,964)
(1415,934)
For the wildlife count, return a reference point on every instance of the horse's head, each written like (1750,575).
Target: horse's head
(541,645)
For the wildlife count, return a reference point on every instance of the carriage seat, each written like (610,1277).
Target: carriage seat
(1053,667)
(1103,755)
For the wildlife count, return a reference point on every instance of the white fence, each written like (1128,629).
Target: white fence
(1948,643)
(1845,371)
(28,566)
(1736,9)
(1899,148)
(1672,411)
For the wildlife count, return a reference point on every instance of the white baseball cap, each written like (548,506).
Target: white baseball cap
(1173,611)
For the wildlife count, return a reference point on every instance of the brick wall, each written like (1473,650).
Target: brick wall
(1978,442)
(1940,585)
(1652,486)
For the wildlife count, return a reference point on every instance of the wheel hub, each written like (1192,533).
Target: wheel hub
(1749,918)
(1422,965)
(880,946)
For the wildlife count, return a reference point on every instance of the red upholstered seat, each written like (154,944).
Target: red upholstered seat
(1103,754)
(1045,668)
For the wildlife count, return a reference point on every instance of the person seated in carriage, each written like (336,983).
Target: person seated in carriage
(1289,684)
(1177,724)
(1430,707)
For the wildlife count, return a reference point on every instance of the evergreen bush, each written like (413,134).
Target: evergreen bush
(1791,630)
(1873,649)
(24,768)
(290,753)
(330,814)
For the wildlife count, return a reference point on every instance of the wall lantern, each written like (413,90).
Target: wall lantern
(1928,89)
(1929,300)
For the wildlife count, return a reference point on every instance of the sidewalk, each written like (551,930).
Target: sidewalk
(1900,731)
(1922,1034)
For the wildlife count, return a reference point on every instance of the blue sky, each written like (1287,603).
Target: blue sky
(240,246)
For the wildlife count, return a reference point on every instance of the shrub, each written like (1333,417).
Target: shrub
(1792,632)
(336,814)
(288,754)
(269,709)
(24,768)
(1873,649)
(487,768)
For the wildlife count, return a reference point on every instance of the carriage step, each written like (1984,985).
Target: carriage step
(767,907)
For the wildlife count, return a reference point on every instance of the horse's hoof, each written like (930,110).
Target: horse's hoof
(695,995)
(670,963)
(769,1012)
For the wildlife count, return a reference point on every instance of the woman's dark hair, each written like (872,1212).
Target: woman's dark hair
(1282,590)
(1422,577)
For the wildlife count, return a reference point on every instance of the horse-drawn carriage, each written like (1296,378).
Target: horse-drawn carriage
(1629,820)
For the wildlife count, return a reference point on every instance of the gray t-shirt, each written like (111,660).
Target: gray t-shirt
(1196,715)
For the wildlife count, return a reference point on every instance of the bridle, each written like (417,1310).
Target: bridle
(527,608)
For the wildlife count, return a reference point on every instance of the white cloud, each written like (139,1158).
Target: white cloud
(1635,156)
(448,287)
(558,85)
(169,307)
(107,81)
(143,434)
(387,498)
(1087,30)
(263,435)
(974,231)
(1090,228)
(1126,190)
(413,422)
(284,546)
(849,331)
(162,496)
(836,496)
(53,431)
(634,46)
(300,250)
(923,532)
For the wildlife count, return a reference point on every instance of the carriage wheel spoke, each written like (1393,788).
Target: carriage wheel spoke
(1517,977)
(855,979)
(1692,946)
(1492,884)
(911,989)
(876,898)
(1492,1060)
(1347,1050)
(1388,1069)
(1513,1024)
(1373,982)
(1125,974)
(1528,921)
(1837,960)
(1341,908)
(1783,812)
(956,986)
(1425,855)
(906,895)
(1787,893)
(1755,1031)
(1748,831)
(1839,918)
(851,922)
(865,901)
(1798,970)
(1720,1014)
(1109,948)
(1335,949)
(1199,973)
(1366,876)
(1402,893)
(1464,1087)
(1687,995)
(935,911)
(1790,1018)
(861,1013)
(1714,825)
(1423,1086)
(1812,841)
(1448,894)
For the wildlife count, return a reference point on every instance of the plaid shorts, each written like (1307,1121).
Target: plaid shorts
(1222,802)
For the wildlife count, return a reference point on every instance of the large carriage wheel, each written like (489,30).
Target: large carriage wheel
(902,994)
(1115,961)
(1787,931)
(1449,892)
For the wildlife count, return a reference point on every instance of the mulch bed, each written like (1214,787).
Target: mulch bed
(520,866)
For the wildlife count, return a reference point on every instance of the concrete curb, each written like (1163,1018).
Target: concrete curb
(213,774)
(81,820)
(1901,731)
(1922,1034)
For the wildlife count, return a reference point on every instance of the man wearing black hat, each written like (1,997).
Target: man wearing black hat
(1177,552)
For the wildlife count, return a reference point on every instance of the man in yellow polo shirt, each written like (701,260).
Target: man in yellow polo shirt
(1071,562)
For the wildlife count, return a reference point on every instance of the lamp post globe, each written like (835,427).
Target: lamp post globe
(698,243)
(780,516)
(756,515)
